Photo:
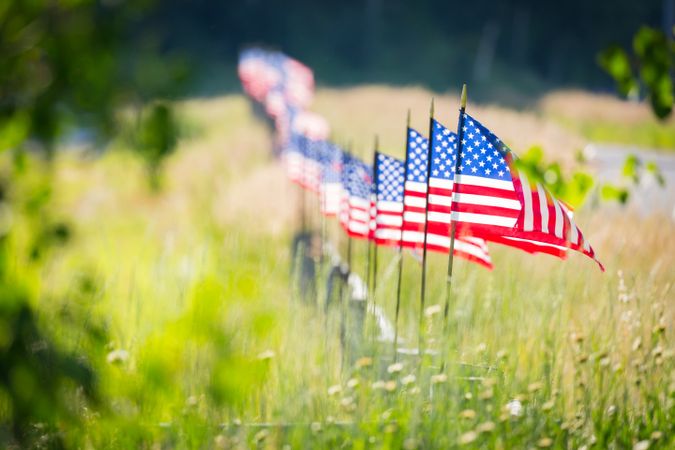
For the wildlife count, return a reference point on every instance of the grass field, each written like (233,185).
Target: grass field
(200,343)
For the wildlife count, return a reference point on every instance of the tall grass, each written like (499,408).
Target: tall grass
(202,343)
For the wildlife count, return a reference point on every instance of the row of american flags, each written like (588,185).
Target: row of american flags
(466,181)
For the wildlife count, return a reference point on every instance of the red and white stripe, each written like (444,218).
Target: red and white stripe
(331,196)
(438,234)
(414,213)
(355,215)
(388,223)
(548,220)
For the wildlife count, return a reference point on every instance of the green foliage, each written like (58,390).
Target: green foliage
(654,55)
(155,138)
(573,190)
(66,66)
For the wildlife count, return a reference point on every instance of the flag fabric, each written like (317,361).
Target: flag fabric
(441,181)
(414,190)
(495,200)
(297,157)
(331,182)
(397,217)
(357,178)
(389,175)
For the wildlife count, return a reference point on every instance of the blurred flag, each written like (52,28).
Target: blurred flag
(304,160)
(331,186)
(495,200)
(298,83)
(357,178)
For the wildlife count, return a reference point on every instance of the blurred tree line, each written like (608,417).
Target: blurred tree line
(527,43)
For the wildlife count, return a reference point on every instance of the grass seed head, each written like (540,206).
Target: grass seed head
(468,438)
(379,384)
(364,361)
(486,427)
(468,414)
(394,368)
(545,442)
(642,445)
(266,355)
(432,310)
(408,379)
(535,387)
(440,378)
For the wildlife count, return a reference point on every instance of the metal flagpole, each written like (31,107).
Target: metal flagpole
(426,222)
(400,245)
(453,224)
(372,246)
(375,165)
(371,239)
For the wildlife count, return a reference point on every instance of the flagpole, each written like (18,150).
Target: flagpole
(400,245)
(453,224)
(371,242)
(426,226)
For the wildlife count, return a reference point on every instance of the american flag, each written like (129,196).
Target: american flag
(493,199)
(302,159)
(415,190)
(357,178)
(298,83)
(331,179)
(412,208)
(259,72)
(389,173)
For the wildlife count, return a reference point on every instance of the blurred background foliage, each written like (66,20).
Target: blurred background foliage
(651,68)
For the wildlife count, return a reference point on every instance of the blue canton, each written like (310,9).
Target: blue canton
(483,154)
(444,152)
(357,177)
(417,156)
(389,178)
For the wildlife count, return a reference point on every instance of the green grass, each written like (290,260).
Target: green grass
(193,285)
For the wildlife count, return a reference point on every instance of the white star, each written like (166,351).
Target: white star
(481,163)
(501,173)
(487,171)
(474,169)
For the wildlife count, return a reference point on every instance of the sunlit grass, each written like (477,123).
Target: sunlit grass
(205,345)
